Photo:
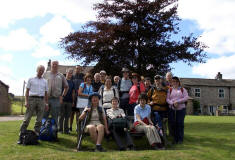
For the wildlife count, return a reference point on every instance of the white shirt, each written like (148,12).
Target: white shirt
(37,86)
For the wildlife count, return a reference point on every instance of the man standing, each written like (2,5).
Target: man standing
(36,100)
(68,103)
(96,84)
(56,83)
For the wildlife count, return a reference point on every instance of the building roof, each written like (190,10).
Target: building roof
(62,68)
(4,84)
(207,82)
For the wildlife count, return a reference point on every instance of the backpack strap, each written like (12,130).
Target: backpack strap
(102,95)
(119,84)
(182,90)
(114,93)
(171,90)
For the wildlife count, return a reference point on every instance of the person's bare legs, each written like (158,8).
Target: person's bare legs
(100,130)
(92,132)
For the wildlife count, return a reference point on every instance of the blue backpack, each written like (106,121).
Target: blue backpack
(48,131)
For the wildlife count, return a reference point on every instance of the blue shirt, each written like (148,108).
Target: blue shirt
(125,85)
(142,112)
(88,90)
(68,97)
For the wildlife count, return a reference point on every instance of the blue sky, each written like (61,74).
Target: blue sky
(30,31)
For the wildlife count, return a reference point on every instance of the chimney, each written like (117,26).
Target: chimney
(218,76)
(49,65)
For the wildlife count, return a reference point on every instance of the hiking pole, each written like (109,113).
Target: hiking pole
(82,132)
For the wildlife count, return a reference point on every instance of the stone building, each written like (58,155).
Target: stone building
(211,93)
(5,107)
(62,68)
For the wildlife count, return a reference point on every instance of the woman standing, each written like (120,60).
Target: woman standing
(144,124)
(96,123)
(107,92)
(136,89)
(177,96)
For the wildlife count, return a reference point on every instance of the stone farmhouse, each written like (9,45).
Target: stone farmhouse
(5,107)
(62,68)
(211,93)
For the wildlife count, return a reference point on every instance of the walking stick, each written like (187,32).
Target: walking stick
(80,136)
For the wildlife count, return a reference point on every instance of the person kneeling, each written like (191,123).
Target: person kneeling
(119,126)
(144,124)
(96,122)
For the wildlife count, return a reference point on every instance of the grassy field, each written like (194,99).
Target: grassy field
(206,138)
(16,108)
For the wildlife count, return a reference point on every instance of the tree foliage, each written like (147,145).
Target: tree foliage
(137,34)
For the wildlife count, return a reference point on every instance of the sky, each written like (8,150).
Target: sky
(30,31)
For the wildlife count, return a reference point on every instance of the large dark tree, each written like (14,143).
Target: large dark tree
(136,34)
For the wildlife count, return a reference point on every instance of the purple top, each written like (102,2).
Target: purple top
(177,95)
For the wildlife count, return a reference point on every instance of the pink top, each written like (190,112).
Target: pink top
(134,92)
(176,95)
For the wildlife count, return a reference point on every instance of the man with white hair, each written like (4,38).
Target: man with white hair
(36,100)
(58,88)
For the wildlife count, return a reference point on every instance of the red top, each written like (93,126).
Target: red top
(135,92)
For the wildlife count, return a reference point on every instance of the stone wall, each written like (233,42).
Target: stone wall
(4,100)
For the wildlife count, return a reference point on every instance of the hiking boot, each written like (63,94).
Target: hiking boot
(130,148)
(99,148)
(19,141)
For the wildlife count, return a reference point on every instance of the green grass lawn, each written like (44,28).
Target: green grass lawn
(206,138)
(16,108)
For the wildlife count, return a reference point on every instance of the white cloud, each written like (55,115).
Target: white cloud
(17,40)
(74,10)
(6,57)
(225,65)
(15,84)
(215,18)
(44,50)
(55,29)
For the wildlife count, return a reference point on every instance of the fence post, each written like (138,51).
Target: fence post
(22,99)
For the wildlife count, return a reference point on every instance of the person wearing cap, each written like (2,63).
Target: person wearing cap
(96,124)
(124,87)
(177,96)
(136,89)
(102,76)
(157,100)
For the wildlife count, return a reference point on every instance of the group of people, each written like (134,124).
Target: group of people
(110,102)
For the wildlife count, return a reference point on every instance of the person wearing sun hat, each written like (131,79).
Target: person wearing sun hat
(96,123)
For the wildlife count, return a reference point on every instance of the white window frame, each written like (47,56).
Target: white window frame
(221,92)
(197,92)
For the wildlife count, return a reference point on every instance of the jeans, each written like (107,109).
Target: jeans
(65,112)
(158,117)
(176,119)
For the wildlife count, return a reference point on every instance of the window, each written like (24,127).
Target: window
(221,93)
(197,92)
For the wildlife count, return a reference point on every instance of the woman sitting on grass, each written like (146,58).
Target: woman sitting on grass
(96,123)
(177,96)
(116,116)
(144,124)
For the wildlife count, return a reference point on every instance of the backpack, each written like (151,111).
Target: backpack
(102,93)
(48,131)
(29,137)
(182,91)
